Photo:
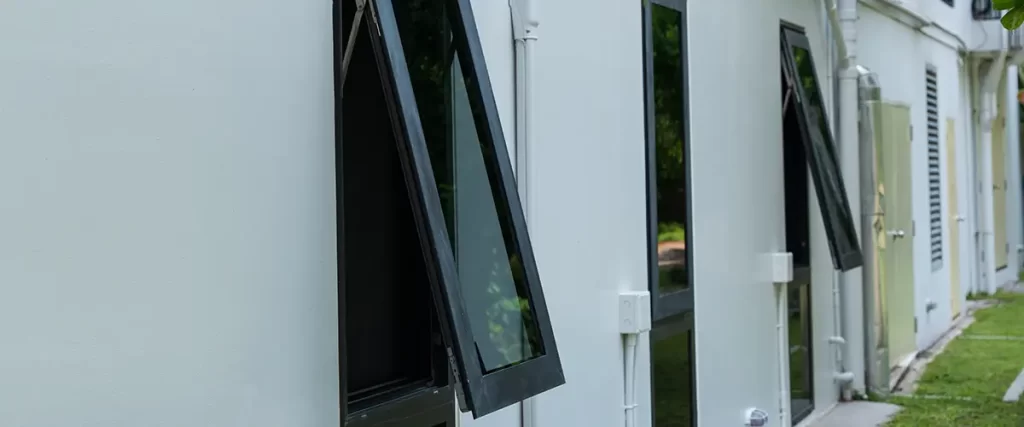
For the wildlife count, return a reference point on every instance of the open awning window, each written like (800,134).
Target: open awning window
(802,97)
(470,223)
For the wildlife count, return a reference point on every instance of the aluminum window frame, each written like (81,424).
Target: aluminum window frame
(676,309)
(838,219)
(427,405)
(480,392)
(682,301)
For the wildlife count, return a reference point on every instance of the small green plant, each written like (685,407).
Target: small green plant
(979,296)
(1014,16)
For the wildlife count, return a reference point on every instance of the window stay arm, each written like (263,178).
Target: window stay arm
(357,19)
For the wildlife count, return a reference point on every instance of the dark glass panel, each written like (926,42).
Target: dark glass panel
(479,220)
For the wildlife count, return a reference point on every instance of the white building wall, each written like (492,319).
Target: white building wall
(591,244)
(899,54)
(1013,179)
(739,206)
(168,252)
(937,283)
(124,99)
(948,20)
(587,202)
(966,126)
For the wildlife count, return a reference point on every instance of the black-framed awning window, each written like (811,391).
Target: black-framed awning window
(470,222)
(802,97)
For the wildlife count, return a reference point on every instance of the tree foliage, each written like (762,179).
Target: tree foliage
(1014,16)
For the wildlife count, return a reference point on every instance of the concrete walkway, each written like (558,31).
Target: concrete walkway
(857,414)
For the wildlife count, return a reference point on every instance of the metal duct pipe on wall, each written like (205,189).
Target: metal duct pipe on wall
(989,88)
(872,225)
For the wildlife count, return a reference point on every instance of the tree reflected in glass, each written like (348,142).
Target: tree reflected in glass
(669,154)
(672,336)
(478,218)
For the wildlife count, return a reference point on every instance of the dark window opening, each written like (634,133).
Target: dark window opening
(438,278)
(798,194)
(670,246)
(798,231)
(801,365)
(672,372)
(392,343)
(802,93)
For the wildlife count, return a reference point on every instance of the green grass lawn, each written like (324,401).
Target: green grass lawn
(964,386)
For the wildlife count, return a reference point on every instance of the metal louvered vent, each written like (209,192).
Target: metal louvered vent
(934,179)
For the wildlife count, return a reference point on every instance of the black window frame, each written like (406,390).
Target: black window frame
(672,313)
(823,159)
(425,404)
(338,49)
(681,301)
(479,392)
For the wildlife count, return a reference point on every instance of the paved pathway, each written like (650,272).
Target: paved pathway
(858,414)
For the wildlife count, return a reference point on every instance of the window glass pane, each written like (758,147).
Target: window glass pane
(669,155)
(672,336)
(672,371)
(824,162)
(466,171)
(800,363)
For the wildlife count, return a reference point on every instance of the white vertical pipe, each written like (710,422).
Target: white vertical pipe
(989,89)
(524,29)
(1013,167)
(974,178)
(849,146)
(781,329)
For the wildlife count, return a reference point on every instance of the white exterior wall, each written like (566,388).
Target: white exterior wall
(168,252)
(590,134)
(1013,180)
(967,185)
(589,245)
(899,55)
(1014,202)
(739,206)
(129,118)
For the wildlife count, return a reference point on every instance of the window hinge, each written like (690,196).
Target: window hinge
(911,132)
(455,367)
(913,228)
(915,324)
(1007,248)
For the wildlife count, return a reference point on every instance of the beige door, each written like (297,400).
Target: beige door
(999,180)
(954,218)
(899,251)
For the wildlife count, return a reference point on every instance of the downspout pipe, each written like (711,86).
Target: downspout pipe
(524,34)
(850,372)
(876,349)
(989,89)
